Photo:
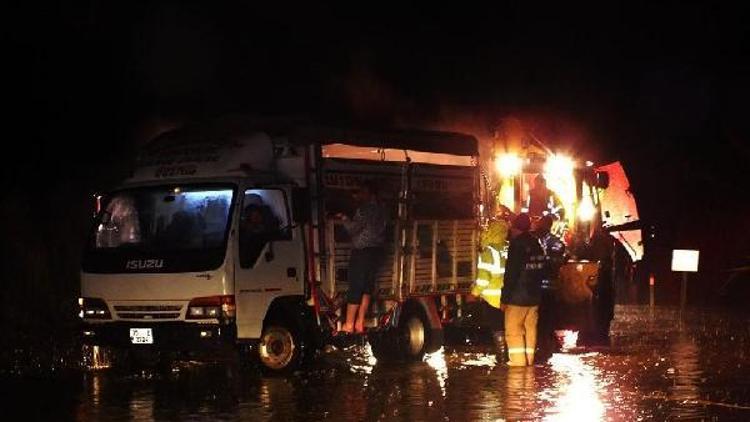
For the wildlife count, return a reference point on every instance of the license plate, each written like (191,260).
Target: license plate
(141,336)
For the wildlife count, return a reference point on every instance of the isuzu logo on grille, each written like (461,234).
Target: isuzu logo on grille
(144,264)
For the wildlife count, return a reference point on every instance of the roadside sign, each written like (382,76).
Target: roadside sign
(685,260)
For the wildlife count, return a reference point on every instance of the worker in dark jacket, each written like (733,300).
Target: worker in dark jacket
(522,292)
(554,249)
(543,200)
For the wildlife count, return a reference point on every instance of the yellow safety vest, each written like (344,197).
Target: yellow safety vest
(491,263)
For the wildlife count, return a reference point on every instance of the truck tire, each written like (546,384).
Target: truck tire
(414,335)
(280,349)
(408,342)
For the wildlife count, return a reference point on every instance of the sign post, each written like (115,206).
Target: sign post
(651,282)
(685,261)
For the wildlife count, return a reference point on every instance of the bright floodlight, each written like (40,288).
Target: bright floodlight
(559,166)
(508,164)
(586,210)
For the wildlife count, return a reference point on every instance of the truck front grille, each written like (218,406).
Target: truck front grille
(131,315)
(153,312)
(148,308)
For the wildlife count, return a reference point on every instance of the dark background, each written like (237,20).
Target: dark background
(661,88)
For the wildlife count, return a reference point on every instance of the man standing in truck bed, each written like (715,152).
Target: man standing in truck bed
(542,200)
(367,231)
(522,292)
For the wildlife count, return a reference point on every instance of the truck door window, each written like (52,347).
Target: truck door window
(264,219)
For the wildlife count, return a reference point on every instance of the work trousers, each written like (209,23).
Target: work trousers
(520,333)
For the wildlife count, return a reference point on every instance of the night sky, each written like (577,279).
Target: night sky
(662,88)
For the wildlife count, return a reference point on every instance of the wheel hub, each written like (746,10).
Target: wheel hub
(277,347)
(415,335)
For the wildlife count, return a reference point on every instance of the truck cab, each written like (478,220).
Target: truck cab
(195,248)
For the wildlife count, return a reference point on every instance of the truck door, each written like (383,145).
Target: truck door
(269,257)
(619,208)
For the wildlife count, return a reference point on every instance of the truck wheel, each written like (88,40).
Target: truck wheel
(280,348)
(413,336)
(407,342)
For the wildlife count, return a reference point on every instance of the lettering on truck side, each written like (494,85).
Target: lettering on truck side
(185,170)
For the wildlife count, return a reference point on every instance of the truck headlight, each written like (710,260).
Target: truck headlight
(203,312)
(212,307)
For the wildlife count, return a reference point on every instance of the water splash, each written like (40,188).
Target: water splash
(95,357)
(567,338)
(437,362)
(363,360)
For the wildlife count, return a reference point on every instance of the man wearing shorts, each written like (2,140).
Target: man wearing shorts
(367,231)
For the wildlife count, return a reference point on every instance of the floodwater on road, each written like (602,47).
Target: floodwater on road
(662,365)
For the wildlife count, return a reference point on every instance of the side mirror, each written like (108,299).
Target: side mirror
(96,204)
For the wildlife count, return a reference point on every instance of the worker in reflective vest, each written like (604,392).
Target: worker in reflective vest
(522,292)
(491,263)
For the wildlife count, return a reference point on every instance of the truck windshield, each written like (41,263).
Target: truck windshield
(165,219)
(170,223)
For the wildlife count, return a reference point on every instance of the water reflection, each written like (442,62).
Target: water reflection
(651,372)
(520,393)
(686,377)
(95,357)
(576,392)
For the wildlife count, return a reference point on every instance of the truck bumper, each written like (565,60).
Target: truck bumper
(173,336)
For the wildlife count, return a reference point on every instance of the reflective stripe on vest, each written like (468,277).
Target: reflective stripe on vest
(491,292)
(493,267)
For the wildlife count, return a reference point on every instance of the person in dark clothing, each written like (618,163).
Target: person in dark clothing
(367,231)
(542,200)
(602,249)
(554,251)
(522,292)
(258,226)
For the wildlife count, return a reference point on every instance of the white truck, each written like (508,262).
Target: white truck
(168,265)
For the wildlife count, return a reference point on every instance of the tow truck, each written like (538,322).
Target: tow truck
(595,215)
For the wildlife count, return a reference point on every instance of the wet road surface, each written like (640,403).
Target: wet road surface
(661,365)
